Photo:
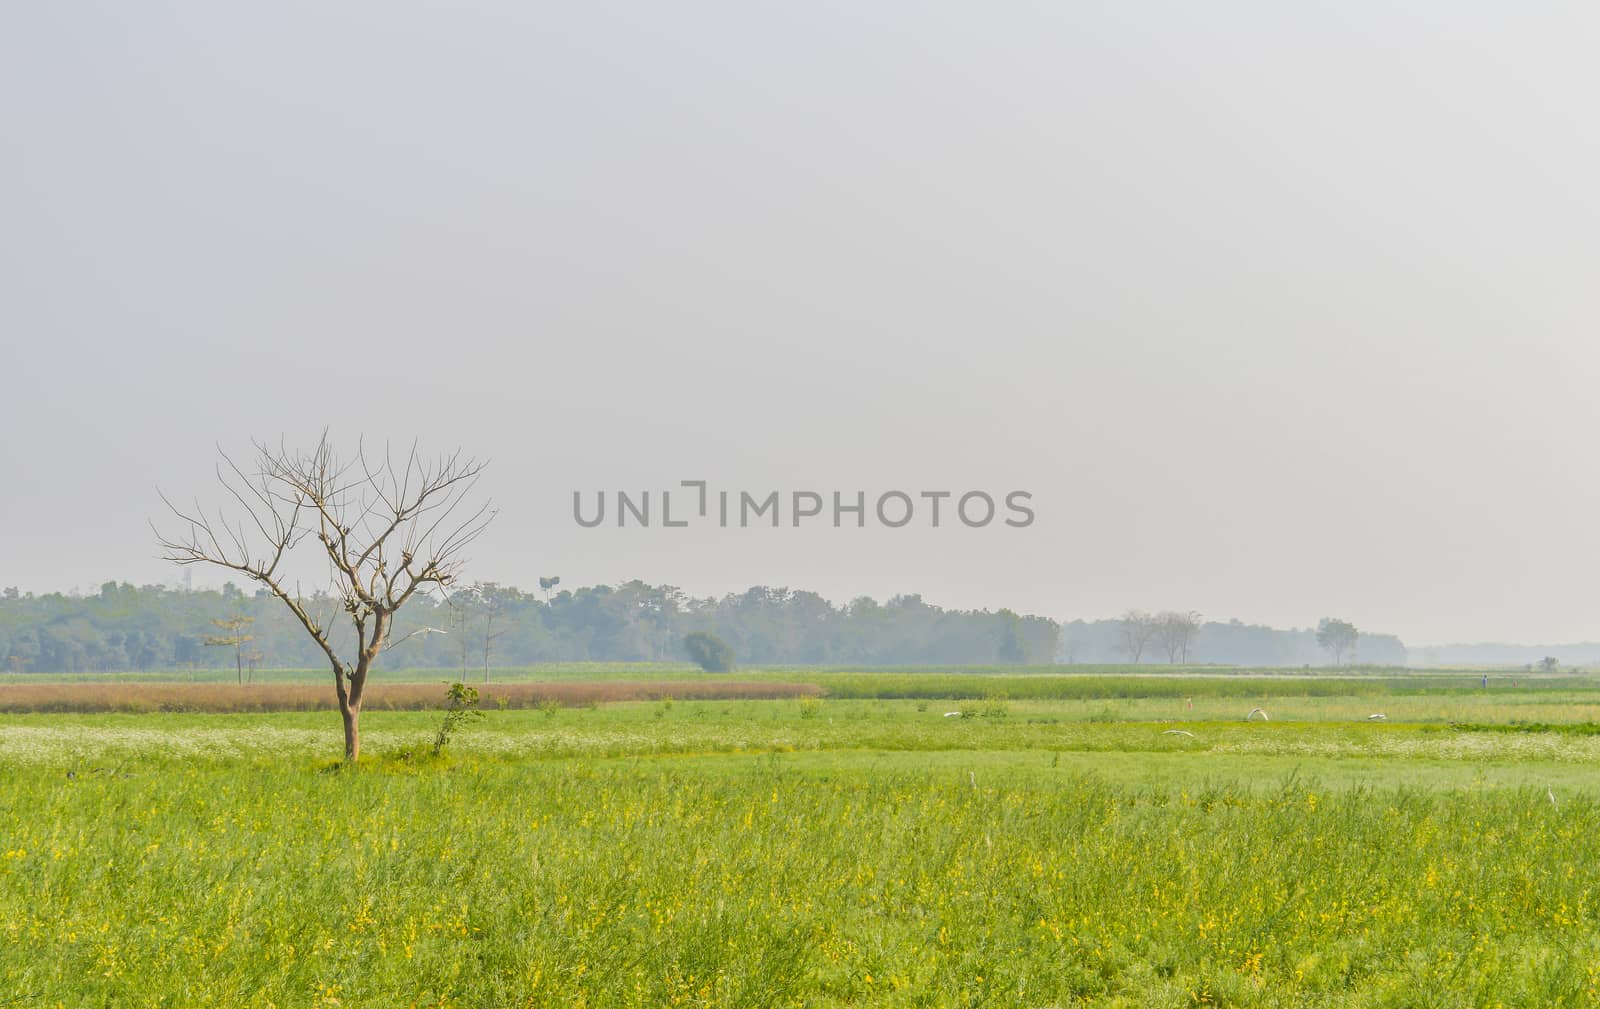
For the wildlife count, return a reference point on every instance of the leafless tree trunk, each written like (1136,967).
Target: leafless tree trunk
(460,621)
(491,613)
(383,531)
(1137,628)
(1175,631)
(235,638)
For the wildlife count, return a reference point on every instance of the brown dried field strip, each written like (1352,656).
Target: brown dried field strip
(214,697)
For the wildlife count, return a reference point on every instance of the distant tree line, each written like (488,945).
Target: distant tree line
(149,628)
(1183,637)
(155,628)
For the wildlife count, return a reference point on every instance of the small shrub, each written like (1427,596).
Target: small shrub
(461,705)
(709,652)
(809,706)
(995,705)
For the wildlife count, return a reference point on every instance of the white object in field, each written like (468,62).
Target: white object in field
(952,714)
(1178,732)
(1552,796)
(1378,717)
(1257,711)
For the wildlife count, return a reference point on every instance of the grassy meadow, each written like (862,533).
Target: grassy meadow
(962,839)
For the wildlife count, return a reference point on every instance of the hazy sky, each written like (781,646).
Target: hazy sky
(1279,310)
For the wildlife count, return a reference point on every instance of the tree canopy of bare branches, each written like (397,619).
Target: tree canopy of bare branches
(384,526)
(1136,628)
(1175,632)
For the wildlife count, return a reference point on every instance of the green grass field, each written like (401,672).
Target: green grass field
(1080,841)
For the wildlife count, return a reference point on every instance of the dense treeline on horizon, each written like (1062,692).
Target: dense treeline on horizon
(153,628)
(123,627)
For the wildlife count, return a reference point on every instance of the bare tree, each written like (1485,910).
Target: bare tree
(236,637)
(1175,632)
(459,620)
(1137,628)
(489,595)
(384,530)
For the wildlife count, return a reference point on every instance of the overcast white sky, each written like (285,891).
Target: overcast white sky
(1279,310)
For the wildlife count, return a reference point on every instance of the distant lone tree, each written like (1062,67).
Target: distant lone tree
(382,528)
(1175,631)
(1338,638)
(235,635)
(709,652)
(491,603)
(548,583)
(1549,664)
(1136,628)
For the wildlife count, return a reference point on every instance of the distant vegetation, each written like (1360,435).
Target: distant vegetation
(123,628)
(1137,636)
(709,652)
(155,628)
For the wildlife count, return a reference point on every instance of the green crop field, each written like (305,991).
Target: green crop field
(963,839)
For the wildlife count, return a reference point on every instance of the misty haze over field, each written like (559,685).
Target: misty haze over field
(1277,314)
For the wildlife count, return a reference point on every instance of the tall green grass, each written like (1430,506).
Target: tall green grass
(571,884)
(847,852)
